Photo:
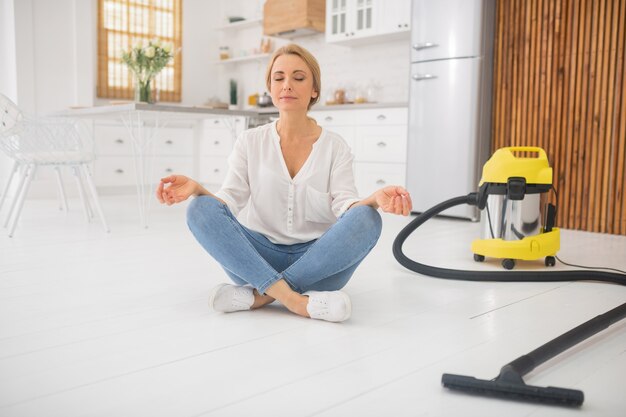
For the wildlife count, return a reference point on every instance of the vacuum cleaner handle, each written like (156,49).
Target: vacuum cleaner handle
(540,151)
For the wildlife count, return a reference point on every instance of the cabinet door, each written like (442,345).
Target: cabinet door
(393,16)
(213,169)
(165,166)
(174,141)
(112,140)
(333,117)
(346,19)
(382,117)
(371,177)
(381,143)
(363,18)
(114,171)
(336,19)
(446,29)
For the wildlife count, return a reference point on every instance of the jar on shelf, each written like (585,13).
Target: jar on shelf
(224,52)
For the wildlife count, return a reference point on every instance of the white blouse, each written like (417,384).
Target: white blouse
(288,210)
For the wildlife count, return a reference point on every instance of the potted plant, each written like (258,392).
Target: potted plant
(145,61)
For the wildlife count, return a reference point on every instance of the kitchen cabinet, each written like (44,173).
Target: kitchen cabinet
(293,18)
(378,138)
(354,22)
(394,16)
(115,164)
(346,19)
(218,138)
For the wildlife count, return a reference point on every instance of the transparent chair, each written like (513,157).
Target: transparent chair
(35,142)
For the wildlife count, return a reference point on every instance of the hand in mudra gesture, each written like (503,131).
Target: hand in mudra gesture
(394,199)
(176,188)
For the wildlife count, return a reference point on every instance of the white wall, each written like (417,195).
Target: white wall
(7,49)
(199,74)
(56,60)
(8,69)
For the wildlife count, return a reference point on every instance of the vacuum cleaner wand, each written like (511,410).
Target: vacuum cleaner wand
(509,383)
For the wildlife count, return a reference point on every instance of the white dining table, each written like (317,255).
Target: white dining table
(143,123)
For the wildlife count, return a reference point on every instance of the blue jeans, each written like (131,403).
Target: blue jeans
(248,257)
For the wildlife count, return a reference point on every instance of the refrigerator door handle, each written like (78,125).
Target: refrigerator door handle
(424,45)
(422,77)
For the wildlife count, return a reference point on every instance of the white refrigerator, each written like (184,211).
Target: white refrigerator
(450,100)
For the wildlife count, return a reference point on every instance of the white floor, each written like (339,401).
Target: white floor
(117,325)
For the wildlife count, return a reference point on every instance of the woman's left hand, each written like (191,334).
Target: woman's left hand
(394,199)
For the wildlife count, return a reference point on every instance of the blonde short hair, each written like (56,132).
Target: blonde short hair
(308,58)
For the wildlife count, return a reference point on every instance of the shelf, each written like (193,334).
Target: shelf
(242,24)
(258,57)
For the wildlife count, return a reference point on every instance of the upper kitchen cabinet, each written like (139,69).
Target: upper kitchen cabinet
(355,22)
(293,18)
(349,19)
(394,17)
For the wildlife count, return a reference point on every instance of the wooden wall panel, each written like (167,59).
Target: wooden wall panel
(559,83)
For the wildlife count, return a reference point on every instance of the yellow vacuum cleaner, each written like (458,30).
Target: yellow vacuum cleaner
(516,225)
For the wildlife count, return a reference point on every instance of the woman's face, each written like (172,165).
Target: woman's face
(291,83)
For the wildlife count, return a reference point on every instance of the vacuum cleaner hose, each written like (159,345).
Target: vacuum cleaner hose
(506,276)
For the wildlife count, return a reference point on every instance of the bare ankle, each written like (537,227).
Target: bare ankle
(294,301)
(261,300)
(297,304)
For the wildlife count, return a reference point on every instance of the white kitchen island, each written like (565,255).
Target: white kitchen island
(144,123)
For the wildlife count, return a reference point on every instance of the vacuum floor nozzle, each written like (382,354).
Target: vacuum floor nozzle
(513,390)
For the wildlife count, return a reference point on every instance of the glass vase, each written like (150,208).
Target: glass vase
(145,91)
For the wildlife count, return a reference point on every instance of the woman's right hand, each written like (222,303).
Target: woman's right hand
(176,188)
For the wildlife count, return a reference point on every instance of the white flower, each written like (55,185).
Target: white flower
(167,47)
(150,52)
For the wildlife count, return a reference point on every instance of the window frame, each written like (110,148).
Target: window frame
(125,88)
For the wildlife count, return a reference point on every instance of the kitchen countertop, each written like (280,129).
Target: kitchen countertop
(185,111)
(182,111)
(323,107)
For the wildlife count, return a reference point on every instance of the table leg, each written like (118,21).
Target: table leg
(142,137)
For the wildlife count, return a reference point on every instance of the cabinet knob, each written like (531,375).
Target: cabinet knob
(169,142)
(381,117)
(381,144)
(168,170)
(118,140)
(328,118)
(216,121)
(399,25)
(119,171)
(381,182)
(216,170)
(217,142)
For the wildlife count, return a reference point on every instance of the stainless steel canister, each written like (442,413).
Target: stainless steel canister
(511,219)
